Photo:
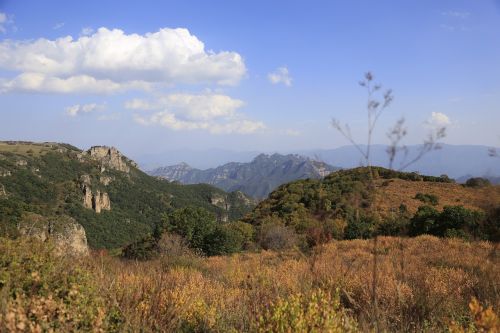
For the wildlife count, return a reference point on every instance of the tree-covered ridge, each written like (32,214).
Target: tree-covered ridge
(46,179)
(354,204)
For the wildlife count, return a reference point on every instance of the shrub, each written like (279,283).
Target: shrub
(477,182)
(317,311)
(143,249)
(41,291)
(427,198)
(424,221)
(453,221)
(223,240)
(192,223)
(362,227)
(276,237)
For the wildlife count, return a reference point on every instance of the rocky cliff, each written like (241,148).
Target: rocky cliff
(96,200)
(109,157)
(64,231)
(257,178)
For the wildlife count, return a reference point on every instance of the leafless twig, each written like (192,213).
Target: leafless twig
(375,106)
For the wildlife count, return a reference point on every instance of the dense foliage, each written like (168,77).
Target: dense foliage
(201,231)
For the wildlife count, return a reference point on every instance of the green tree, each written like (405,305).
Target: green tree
(192,223)
(424,221)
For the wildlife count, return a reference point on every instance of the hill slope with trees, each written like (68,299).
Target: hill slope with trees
(350,204)
(51,180)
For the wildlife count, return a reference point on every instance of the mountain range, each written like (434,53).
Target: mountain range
(453,160)
(457,161)
(256,178)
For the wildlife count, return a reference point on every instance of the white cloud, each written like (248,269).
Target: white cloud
(78,109)
(58,26)
(110,60)
(37,82)
(280,75)
(5,20)
(456,14)
(140,104)
(215,113)
(195,107)
(438,119)
(87,31)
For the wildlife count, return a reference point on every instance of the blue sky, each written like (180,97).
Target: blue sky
(245,75)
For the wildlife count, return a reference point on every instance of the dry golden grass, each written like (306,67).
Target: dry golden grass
(397,192)
(424,284)
(24,148)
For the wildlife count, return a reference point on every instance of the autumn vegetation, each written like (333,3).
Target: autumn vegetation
(423,284)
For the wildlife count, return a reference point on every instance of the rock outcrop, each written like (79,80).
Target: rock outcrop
(97,201)
(105,180)
(100,201)
(64,231)
(21,163)
(110,158)
(3,193)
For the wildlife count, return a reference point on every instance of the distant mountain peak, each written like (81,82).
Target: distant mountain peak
(256,178)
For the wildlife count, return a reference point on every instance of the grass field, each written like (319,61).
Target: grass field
(417,284)
(397,191)
(25,148)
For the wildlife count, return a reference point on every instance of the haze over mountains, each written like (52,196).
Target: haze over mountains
(457,161)
(256,178)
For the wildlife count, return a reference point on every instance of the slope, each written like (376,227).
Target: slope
(102,190)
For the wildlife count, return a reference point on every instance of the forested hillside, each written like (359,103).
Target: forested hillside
(115,202)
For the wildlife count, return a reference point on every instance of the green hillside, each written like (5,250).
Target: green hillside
(349,204)
(46,179)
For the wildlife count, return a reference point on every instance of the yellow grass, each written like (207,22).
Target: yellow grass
(398,192)
(24,148)
(424,283)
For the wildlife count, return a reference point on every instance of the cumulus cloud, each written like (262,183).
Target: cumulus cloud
(111,60)
(215,113)
(280,75)
(78,109)
(37,82)
(438,119)
(194,107)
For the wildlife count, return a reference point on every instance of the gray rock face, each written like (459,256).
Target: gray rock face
(64,231)
(3,193)
(97,201)
(110,158)
(100,201)
(257,178)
